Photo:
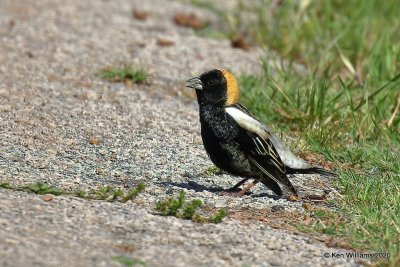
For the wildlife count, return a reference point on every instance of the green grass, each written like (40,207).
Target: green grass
(133,193)
(128,261)
(212,170)
(39,188)
(342,35)
(219,216)
(43,188)
(171,206)
(179,208)
(107,193)
(124,74)
(338,94)
(342,105)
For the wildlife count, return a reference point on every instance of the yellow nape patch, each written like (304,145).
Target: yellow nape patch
(233,91)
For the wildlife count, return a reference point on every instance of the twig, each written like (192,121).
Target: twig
(396,109)
(370,97)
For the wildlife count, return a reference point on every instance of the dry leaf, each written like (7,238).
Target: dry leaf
(164,42)
(189,20)
(140,14)
(317,197)
(11,23)
(240,42)
(128,82)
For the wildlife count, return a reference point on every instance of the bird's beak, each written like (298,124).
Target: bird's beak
(194,83)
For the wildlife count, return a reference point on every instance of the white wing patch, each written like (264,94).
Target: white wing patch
(253,125)
(247,122)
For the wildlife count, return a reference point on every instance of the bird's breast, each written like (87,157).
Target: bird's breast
(219,141)
(215,123)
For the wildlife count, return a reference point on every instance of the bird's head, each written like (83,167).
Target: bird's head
(215,87)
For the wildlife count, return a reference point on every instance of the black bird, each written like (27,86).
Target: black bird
(239,143)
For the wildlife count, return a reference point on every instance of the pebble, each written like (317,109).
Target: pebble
(275,208)
(48,197)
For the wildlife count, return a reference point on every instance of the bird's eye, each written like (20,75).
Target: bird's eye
(211,82)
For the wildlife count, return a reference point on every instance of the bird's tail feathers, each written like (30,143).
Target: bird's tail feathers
(313,170)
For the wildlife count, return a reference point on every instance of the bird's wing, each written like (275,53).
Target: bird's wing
(289,159)
(256,143)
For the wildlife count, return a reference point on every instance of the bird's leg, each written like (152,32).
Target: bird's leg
(236,186)
(233,189)
(247,188)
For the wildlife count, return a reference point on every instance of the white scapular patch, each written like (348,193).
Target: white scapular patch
(253,125)
(247,122)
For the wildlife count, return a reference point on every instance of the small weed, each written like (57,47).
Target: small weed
(213,170)
(170,207)
(117,194)
(124,74)
(6,186)
(114,194)
(43,188)
(133,193)
(178,208)
(128,261)
(219,216)
(190,209)
(79,193)
(105,193)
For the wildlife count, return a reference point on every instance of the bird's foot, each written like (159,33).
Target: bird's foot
(247,188)
(234,190)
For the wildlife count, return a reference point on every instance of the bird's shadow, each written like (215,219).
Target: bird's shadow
(191,185)
(194,186)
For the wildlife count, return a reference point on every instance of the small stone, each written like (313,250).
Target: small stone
(276,208)
(11,23)
(240,42)
(220,203)
(293,198)
(327,191)
(94,140)
(128,82)
(48,197)
(4,93)
(275,262)
(5,108)
(317,197)
(308,206)
(164,42)
(140,14)
(100,171)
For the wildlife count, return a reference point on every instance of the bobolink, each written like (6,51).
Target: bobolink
(239,143)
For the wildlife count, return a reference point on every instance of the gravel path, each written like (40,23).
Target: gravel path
(52,104)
